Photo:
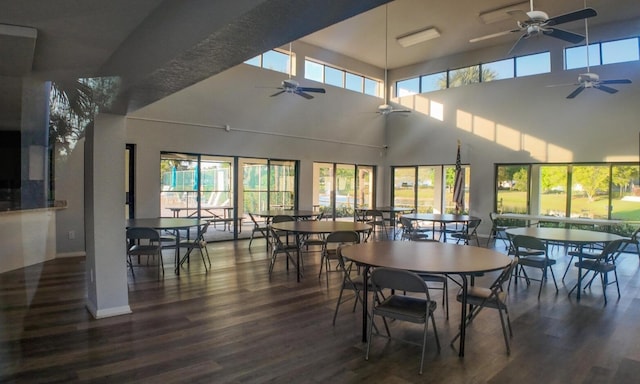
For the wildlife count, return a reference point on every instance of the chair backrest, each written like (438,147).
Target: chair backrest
(528,242)
(254,220)
(203,229)
(276,241)
(398,279)
(282,218)
(505,275)
(611,251)
(343,237)
(373,213)
(407,225)
(473,224)
(143,233)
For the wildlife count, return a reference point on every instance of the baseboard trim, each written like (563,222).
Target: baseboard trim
(70,254)
(107,312)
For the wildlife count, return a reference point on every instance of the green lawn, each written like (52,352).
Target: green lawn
(625,210)
(514,201)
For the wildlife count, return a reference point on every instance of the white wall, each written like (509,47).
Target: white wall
(520,121)
(340,126)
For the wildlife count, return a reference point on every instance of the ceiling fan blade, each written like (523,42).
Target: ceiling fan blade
(606,89)
(561,85)
(491,36)
(561,34)
(277,93)
(572,16)
(617,81)
(317,90)
(305,95)
(576,92)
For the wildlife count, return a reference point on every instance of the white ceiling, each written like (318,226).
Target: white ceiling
(362,36)
(158,47)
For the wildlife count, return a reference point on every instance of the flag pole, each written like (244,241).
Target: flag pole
(458,186)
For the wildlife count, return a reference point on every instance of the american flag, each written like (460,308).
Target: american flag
(458,185)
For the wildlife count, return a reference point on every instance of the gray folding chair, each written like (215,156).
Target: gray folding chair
(144,241)
(330,248)
(494,297)
(532,254)
(415,309)
(257,228)
(198,243)
(600,264)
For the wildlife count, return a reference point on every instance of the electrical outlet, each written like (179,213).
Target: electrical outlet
(72,235)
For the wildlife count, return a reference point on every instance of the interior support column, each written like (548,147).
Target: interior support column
(104,217)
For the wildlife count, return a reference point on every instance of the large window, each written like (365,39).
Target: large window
(337,77)
(274,60)
(512,186)
(197,185)
(268,184)
(608,52)
(339,188)
(427,189)
(533,64)
(599,191)
(518,66)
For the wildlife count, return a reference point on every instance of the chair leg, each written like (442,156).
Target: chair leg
(553,276)
(445,294)
(603,281)
(203,260)
(567,269)
(504,330)
(335,314)
(424,343)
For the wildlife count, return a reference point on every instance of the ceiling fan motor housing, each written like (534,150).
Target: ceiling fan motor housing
(538,16)
(588,77)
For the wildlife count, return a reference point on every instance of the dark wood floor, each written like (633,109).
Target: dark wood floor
(235,325)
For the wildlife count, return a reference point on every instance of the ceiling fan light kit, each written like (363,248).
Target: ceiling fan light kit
(418,37)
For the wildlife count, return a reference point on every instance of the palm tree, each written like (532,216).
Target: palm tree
(73,105)
(465,76)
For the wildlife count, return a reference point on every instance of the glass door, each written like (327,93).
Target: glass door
(282,186)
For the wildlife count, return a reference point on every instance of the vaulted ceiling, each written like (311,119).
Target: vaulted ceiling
(158,47)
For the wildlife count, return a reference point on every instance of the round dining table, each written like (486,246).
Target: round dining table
(309,227)
(168,224)
(442,218)
(426,257)
(578,237)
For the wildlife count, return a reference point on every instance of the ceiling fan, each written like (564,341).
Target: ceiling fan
(536,23)
(590,79)
(387,109)
(291,86)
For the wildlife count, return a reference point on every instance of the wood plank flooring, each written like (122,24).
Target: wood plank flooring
(235,325)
